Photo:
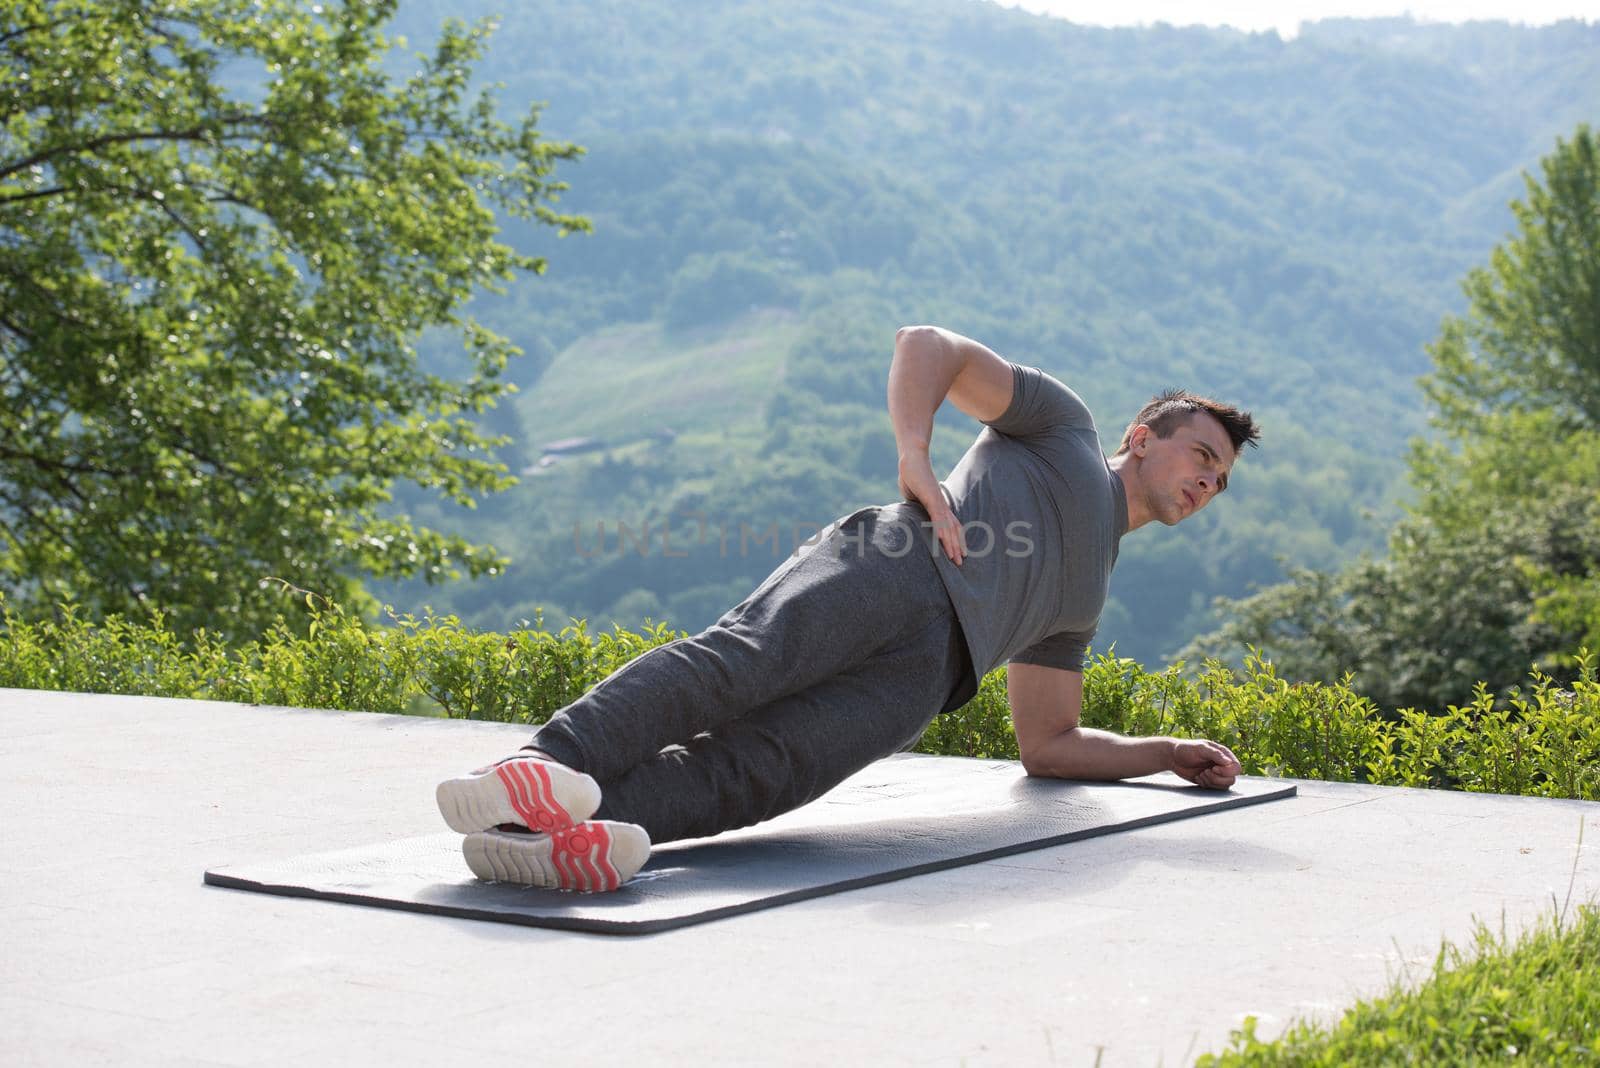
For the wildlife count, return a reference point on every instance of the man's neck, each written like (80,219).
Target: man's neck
(1126,467)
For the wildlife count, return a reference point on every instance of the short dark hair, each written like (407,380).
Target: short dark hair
(1172,408)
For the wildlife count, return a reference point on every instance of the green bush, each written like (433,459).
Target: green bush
(979,728)
(432,665)
(1543,742)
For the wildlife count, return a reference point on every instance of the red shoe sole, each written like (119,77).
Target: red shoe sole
(529,790)
(582,854)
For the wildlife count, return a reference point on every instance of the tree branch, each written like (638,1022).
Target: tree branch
(23,31)
(36,193)
(193,134)
(60,537)
(61,314)
(29,512)
(5,321)
(182,224)
(61,465)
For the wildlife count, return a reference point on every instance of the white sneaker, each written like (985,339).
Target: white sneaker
(601,855)
(532,793)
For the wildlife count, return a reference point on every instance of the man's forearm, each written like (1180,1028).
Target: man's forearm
(924,367)
(1086,753)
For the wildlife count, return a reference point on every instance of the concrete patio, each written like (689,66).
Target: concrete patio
(1140,948)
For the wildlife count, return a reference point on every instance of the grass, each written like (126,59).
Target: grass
(1530,1000)
(625,381)
(1534,1001)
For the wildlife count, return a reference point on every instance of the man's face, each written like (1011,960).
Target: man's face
(1184,472)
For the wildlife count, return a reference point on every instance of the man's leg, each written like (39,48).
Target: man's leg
(869,594)
(796,748)
(855,595)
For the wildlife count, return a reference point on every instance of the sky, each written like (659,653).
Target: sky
(1285,15)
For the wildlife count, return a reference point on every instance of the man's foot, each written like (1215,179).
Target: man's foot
(537,794)
(601,855)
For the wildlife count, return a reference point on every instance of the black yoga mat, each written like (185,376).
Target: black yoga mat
(899,817)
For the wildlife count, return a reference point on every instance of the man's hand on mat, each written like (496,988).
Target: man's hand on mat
(1204,763)
(917,483)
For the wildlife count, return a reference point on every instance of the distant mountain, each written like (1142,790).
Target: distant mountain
(776,187)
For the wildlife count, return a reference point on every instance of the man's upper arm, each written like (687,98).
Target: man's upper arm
(1015,400)
(983,388)
(982,385)
(1045,702)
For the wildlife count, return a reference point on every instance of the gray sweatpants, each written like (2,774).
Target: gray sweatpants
(843,655)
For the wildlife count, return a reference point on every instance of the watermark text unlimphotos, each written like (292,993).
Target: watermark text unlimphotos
(682,534)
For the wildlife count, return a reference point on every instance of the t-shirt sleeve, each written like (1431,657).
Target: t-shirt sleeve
(1063,649)
(1040,405)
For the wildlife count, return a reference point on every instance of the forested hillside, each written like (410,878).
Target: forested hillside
(775,188)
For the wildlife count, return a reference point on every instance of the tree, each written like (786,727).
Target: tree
(225,225)
(1484,578)
(1497,566)
(1531,338)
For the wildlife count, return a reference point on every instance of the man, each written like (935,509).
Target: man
(846,652)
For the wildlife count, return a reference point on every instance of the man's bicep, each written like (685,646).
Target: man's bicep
(1045,701)
(984,387)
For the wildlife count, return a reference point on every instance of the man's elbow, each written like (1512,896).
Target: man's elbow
(1038,763)
(1051,757)
(919,339)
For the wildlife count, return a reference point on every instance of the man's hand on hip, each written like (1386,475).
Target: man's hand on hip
(917,483)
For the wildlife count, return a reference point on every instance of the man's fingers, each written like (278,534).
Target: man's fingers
(1211,773)
(917,483)
(1222,757)
(949,530)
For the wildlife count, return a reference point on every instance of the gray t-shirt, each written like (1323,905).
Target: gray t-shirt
(1035,491)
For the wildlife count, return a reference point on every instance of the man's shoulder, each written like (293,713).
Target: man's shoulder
(1042,405)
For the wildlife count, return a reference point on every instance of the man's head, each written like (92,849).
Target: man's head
(1177,452)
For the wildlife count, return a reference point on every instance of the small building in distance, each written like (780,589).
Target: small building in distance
(553,452)
(571,446)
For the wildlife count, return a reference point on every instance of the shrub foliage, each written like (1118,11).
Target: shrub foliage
(1544,740)
(431,665)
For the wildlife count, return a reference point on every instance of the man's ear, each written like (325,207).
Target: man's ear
(1136,440)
